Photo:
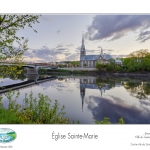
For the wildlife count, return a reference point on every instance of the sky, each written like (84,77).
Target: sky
(59,37)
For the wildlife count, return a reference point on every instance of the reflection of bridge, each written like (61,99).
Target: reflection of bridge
(31,68)
(31,80)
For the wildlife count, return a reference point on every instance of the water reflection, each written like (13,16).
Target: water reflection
(137,88)
(90,83)
(89,98)
(115,107)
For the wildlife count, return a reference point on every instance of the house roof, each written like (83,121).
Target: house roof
(94,57)
(89,86)
(89,57)
(118,61)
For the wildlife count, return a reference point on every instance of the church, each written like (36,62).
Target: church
(89,61)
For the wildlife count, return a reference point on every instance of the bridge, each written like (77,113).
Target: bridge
(31,68)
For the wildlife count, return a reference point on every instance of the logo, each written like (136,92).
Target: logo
(7,135)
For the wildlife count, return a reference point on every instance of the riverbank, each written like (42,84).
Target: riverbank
(91,71)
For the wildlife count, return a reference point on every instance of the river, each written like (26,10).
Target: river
(90,98)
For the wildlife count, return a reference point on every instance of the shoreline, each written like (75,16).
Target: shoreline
(92,71)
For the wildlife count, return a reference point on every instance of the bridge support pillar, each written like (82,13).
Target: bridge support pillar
(32,70)
(32,77)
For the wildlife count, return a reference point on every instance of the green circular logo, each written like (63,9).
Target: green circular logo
(7,135)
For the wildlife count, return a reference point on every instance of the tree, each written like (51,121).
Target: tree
(99,65)
(9,25)
(112,63)
(109,67)
(75,63)
(138,61)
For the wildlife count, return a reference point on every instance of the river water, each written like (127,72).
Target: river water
(90,98)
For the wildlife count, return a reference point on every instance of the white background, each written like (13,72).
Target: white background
(75,6)
(109,136)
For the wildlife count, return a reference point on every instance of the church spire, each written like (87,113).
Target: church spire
(82,39)
(101,51)
(82,52)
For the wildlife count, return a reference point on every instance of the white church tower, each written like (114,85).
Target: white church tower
(82,52)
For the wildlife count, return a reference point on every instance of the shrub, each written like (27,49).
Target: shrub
(107,121)
(109,67)
(118,68)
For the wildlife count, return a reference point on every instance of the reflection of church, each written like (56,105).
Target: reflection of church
(90,83)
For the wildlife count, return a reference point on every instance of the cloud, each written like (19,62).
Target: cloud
(45,53)
(59,45)
(62,48)
(70,45)
(115,109)
(144,36)
(112,27)
(46,18)
(74,56)
(58,31)
(78,48)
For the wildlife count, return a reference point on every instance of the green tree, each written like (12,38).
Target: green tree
(75,63)
(99,65)
(112,63)
(109,67)
(138,61)
(9,25)
(118,68)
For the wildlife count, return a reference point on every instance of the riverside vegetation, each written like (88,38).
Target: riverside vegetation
(36,111)
(32,111)
(137,61)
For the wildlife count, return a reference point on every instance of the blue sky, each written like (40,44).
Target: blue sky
(59,36)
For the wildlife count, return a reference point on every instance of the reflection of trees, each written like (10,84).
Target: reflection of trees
(137,88)
(61,79)
(20,76)
(111,81)
(15,75)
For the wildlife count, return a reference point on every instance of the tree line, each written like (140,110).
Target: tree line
(137,61)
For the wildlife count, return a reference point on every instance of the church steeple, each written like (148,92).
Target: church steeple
(101,52)
(82,52)
(82,40)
